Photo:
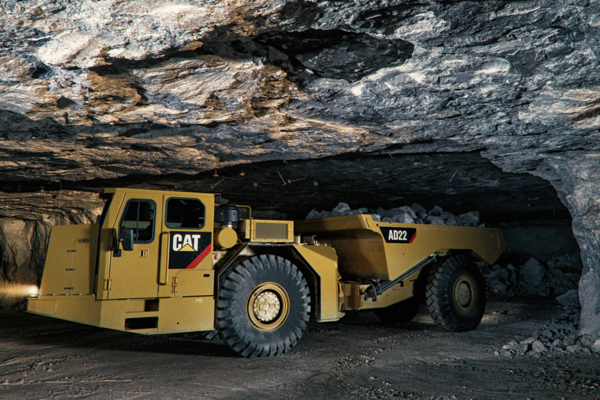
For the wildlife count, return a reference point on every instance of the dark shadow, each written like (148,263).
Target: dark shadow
(336,53)
(30,329)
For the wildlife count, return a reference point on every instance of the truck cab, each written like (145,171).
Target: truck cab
(156,245)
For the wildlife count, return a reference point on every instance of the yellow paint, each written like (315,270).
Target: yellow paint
(132,276)
(323,260)
(131,280)
(174,315)
(108,241)
(186,315)
(70,261)
(193,282)
(225,238)
(363,252)
(163,272)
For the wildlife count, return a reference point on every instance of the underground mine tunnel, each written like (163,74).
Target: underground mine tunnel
(293,107)
(535,223)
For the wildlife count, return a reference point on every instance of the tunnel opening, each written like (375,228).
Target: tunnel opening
(535,223)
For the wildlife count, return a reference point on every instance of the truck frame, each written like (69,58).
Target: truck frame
(161,262)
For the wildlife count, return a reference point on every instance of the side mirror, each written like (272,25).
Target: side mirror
(127,239)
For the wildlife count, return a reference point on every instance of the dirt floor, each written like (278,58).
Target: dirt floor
(356,358)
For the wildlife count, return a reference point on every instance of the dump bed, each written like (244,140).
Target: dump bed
(381,250)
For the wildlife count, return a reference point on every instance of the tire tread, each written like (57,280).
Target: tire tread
(438,290)
(231,307)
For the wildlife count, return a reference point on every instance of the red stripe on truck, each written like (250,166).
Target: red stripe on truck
(200,257)
(413,238)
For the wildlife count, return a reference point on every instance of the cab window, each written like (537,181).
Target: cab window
(183,213)
(139,216)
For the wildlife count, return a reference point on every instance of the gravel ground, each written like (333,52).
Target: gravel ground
(356,358)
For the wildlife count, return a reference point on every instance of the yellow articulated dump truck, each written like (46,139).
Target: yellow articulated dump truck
(160,262)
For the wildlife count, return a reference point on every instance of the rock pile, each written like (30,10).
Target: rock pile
(557,337)
(415,214)
(559,275)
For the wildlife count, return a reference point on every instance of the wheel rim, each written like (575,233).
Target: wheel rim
(465,294)
(268,306)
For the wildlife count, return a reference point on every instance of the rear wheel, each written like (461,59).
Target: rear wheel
(456,294)
(400,312)
(263,306)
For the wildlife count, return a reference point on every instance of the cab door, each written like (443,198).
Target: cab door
(186,240)
(133,271)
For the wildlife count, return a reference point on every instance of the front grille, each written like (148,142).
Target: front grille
(265,230)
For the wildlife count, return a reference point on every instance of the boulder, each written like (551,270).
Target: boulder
(538,347)
(532,272)
(340,210)
(470,218)
(419,210)
(451,219)
(434,220)
(313,214)
(436,211)
(569,299)
(403,218)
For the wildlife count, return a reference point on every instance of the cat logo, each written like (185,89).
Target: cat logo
(189,250)
(186,242)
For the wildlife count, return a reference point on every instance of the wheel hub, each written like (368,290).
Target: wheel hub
(266,306)
(464,294)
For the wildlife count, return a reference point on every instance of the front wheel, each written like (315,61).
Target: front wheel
(263,306)
(456,294)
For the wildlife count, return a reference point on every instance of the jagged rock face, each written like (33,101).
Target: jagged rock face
(107,90)
(125,87)
(577,181)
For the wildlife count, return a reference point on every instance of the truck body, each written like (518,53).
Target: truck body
(161,262)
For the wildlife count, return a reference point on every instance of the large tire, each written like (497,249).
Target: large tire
(400,312)
(456,294)
(263,306)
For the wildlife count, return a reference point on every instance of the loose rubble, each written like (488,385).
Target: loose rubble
(557,337)
(558,276)
(415,214)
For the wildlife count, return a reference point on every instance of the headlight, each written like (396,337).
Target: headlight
(34,291)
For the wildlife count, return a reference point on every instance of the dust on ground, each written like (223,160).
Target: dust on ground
(355,358)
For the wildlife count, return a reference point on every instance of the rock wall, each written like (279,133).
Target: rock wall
(577,181)
(103,90)
(541,240)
